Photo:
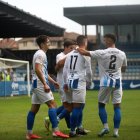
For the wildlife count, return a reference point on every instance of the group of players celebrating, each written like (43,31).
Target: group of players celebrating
(74,74)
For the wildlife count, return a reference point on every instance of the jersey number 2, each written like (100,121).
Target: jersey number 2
(73,62)
(112,64)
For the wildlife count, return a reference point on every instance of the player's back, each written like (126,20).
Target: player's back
(76,67)
(111,61)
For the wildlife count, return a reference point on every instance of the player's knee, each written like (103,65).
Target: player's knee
(69,109)
(101,105)
(117,106)
(82,106)
(51,104)
(35,108)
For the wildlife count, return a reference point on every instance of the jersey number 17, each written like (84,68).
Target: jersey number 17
(73,61)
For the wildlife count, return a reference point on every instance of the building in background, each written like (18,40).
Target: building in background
(56,42)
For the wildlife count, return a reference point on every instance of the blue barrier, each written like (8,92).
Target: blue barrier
(126,84)
(9,88)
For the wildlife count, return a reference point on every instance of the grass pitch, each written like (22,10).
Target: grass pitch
(13,112)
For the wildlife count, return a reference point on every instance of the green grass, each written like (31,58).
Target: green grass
(13,112)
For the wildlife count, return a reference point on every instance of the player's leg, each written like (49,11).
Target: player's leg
(103,118)
(103,98)
(67,120)
(117,119)
(53,119)
(78,99)
(48,98)
(76,111)
(60,108)
(65,113)
(66,99)
(103,114)
(62,114)
(80,130)
(52,112)
(116,100)
(31,117)
(79,123)
(30,121)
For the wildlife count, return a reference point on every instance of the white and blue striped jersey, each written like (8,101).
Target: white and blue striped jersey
(41,58)
(59,57)
(110,61)
(77,70)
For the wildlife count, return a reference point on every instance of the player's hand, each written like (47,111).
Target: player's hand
(65,87)
(88,84)
(46,88)
(75,47)
(56,85)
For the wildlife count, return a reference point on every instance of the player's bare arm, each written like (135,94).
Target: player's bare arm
(38,71)
(123,69)
(56,84)
(65,87)
(60,64)
(83,51)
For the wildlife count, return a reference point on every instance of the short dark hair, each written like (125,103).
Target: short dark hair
(111,36)
(69,42)
(41,39)
(81,40)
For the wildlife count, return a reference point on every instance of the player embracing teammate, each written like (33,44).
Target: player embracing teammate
(111,63)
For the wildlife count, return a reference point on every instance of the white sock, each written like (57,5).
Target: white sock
(58,118)
(73,132)
(116,130)
(55,129)
(106,125)
(80,127)
(30,132)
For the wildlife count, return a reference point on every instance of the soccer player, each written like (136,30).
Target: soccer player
(77,71)
(65,109)
(111,63)
(41,90)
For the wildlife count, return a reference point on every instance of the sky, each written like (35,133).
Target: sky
(52,10)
